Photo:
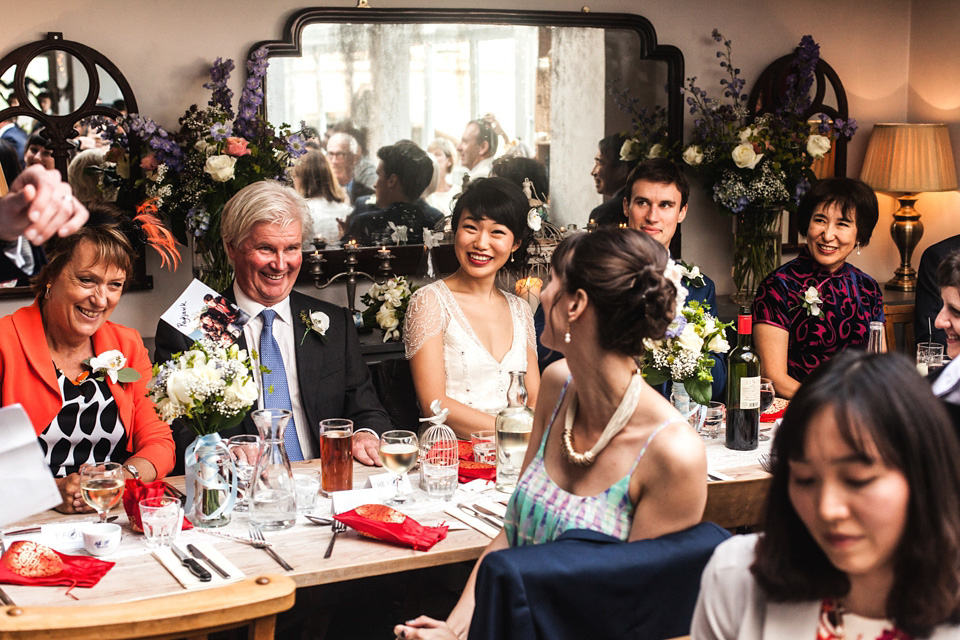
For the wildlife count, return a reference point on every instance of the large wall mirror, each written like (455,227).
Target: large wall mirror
(549,77)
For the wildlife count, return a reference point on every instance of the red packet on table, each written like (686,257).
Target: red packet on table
(135,491)
(465,450)
(776,410)
(470,470)
(383,523)
(29,563)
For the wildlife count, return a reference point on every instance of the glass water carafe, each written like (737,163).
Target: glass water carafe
(514,424)
(273,495)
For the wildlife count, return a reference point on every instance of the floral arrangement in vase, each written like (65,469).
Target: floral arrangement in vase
(210,388)
(387,305)
(756,167)
(685,354)
(190,175)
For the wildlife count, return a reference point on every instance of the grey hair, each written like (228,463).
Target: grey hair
(447,148)
(85,186)
(352,143)
(265,201)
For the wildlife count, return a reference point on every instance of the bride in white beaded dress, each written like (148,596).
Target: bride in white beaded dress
(463,335)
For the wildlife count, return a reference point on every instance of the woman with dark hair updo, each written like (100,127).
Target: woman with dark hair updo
(462,334)
(61,359)
(818,304)
(861,534)
(607,452)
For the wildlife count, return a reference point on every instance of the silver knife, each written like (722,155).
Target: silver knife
(493,514)
(479,516)
(202,574)
(196,553)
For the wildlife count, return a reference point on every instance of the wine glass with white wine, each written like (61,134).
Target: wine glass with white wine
(101,486)
(398,453)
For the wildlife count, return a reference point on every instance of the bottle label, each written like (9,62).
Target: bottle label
(750,393)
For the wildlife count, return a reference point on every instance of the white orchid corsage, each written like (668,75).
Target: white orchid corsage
(691,273)
(316,321)
(111,364)
(812,302)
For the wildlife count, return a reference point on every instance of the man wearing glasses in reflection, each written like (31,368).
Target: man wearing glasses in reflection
(478,145)
(343,150)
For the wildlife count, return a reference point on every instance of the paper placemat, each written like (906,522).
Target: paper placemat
(189,581)
(476,523)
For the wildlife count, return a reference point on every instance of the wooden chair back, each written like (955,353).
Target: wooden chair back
(254,602)
(736,503)
(899,315)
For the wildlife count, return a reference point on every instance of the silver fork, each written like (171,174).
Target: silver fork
(338,528)
(257,540)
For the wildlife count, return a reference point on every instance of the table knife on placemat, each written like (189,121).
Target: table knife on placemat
(492,514)
(196,553)
(479,516)
(202,574)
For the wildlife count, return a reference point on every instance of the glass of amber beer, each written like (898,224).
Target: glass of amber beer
(336,455)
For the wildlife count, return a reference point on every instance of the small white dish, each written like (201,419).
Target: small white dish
(101,538)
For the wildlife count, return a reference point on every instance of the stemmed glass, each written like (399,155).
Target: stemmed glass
(766,400)
(101,486)
(244,449)
(398,453)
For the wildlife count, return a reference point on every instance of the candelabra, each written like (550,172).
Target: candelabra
(351,275)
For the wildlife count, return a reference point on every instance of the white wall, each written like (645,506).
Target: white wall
(165,47)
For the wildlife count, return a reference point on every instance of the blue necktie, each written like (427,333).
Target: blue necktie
(275,389)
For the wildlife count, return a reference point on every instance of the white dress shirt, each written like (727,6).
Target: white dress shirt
(283,333)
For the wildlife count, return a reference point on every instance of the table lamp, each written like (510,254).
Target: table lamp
(907,159)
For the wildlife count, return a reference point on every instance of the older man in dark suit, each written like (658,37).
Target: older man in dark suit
(316,374)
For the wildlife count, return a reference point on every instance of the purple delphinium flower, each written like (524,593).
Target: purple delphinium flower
(222,95)
(252,96)
(220,131)
(296,146)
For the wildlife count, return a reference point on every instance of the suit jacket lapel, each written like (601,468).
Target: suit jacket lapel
(310,352)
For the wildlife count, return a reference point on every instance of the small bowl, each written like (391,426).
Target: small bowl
(101,538)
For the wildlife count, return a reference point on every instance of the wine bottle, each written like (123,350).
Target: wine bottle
(513,428)
(743,388)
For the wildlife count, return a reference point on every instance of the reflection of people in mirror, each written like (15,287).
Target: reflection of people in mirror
(404,172)
(313,178)
(609,175)
(445,153)
(477,147)
(10,132)
(343,151)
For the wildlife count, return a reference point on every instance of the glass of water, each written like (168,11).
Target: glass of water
(440,478)
(244,449)
(713,421)
(484,446)
(160,518)
(307,483)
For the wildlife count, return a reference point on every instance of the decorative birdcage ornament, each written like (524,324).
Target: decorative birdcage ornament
(439,455)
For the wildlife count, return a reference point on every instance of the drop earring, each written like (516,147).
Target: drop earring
(47,294)
(857,247)
(511,255)
(566,336)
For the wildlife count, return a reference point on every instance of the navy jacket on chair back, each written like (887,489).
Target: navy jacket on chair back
(587,584)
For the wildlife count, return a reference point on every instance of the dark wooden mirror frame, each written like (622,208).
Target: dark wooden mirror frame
(649,48)
(60,127)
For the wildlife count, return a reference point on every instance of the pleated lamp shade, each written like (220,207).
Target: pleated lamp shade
(909,158)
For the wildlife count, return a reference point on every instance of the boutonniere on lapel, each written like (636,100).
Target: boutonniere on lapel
(316,321)
(812,302)
(110,364)
(691,273)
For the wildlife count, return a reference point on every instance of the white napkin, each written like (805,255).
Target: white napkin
(189,581)
(480,525)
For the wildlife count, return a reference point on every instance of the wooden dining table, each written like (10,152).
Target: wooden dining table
(141,576)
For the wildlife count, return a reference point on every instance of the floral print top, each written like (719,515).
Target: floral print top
(849,301)
(835,624)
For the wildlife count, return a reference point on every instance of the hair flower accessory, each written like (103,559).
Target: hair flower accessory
(112,364)
(316,321)
(812,302)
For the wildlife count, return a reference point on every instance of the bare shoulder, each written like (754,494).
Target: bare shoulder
(678,450)
(554,377)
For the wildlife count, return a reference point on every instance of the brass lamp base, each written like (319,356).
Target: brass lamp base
(906,230)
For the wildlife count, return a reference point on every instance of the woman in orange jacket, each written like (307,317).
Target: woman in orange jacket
(81,379)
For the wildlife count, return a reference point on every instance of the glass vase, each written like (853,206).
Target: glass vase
(693,412)
(211,482)
(210,263)
(756,250)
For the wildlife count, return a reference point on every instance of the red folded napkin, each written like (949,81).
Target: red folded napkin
(136,491)
(384,523)
(776,410)
(29,563)
(465,449)
(470,470)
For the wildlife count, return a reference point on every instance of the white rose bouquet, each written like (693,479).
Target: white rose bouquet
(387,305)
(210,387)
(684,354)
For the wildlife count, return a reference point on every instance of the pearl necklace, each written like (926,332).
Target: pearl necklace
(614,426)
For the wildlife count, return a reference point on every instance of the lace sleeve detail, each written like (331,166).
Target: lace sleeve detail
(424,319)
(524,314)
